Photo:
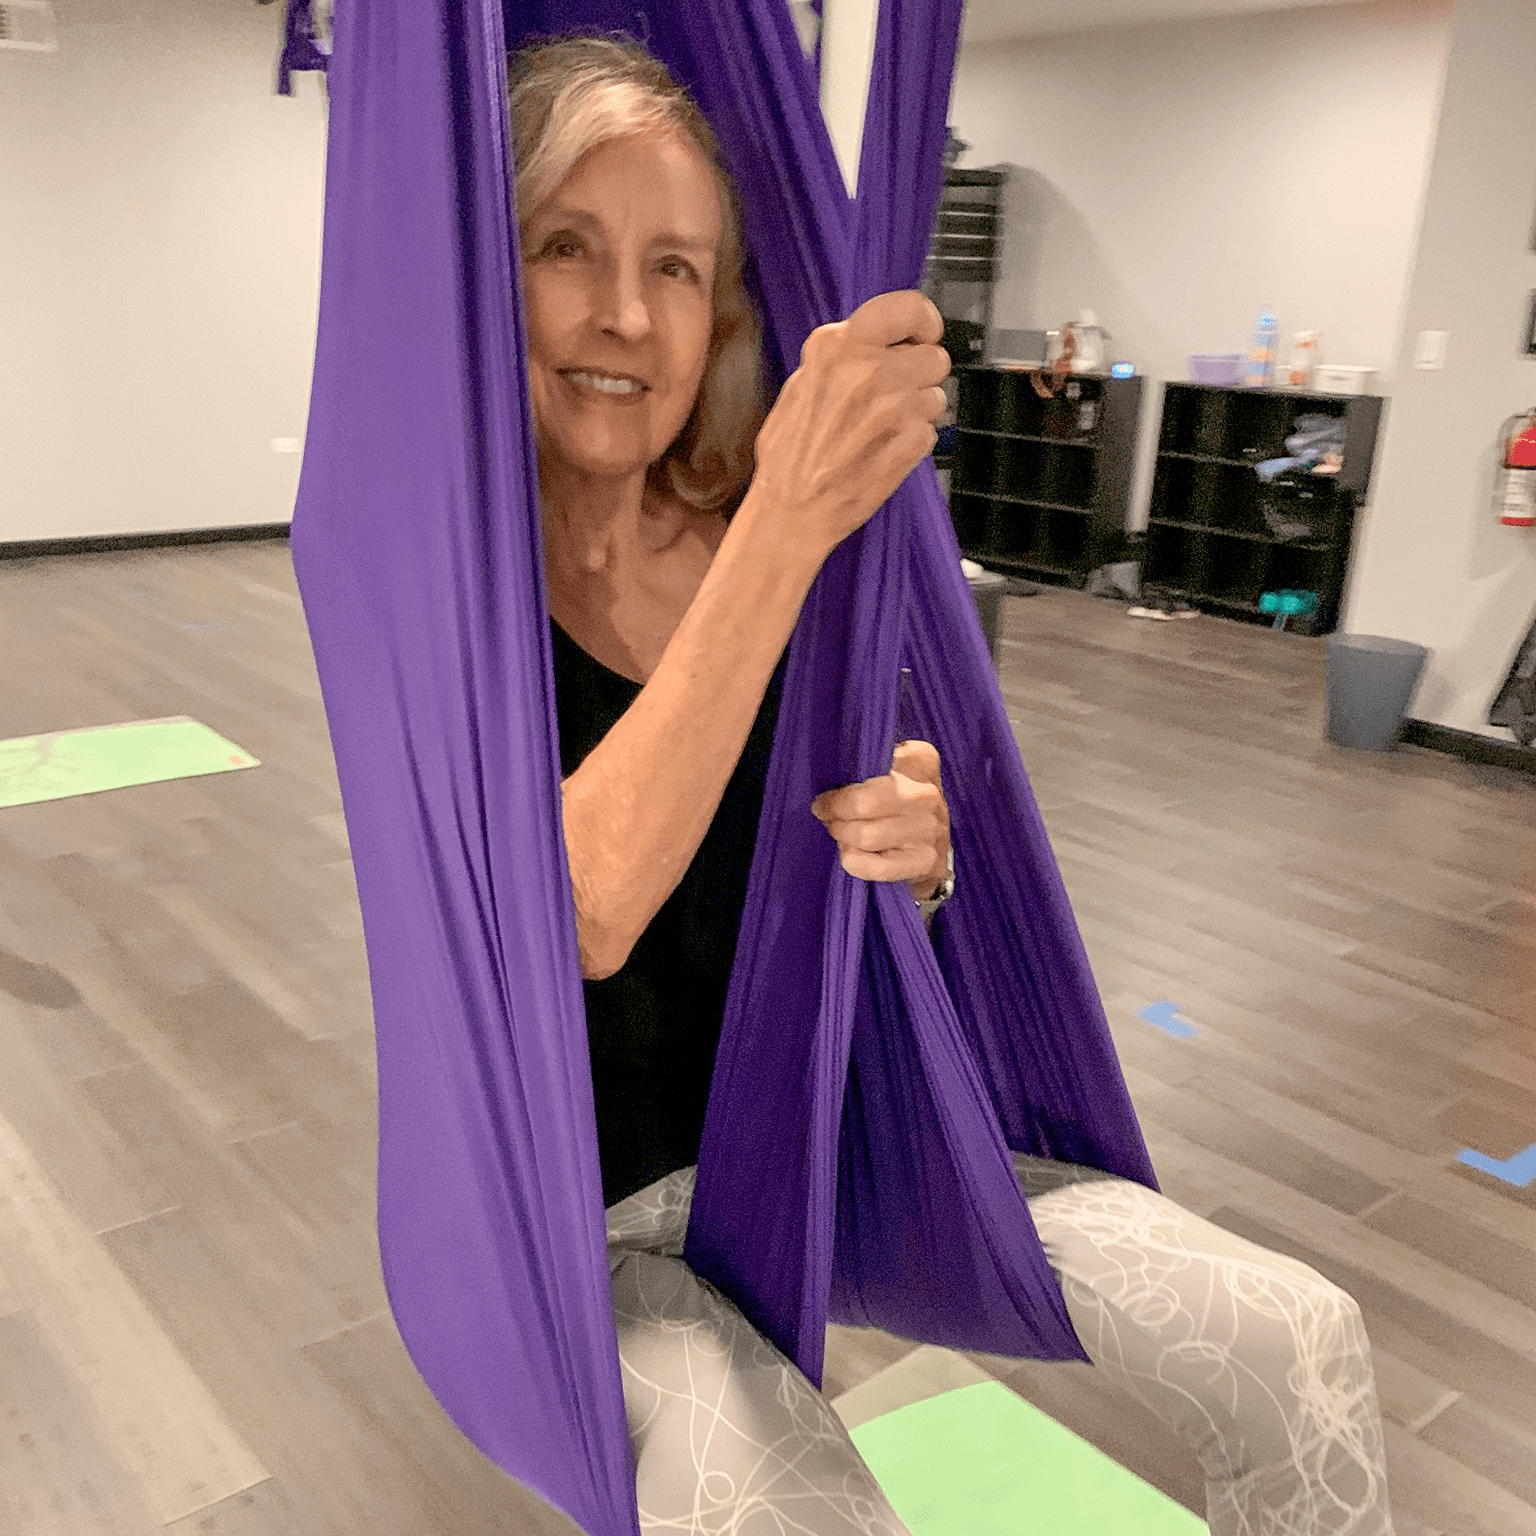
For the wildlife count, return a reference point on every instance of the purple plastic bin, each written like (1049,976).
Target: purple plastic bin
(1217,367)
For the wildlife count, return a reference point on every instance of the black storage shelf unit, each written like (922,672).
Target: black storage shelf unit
(964,246)
(962,259)
(1042,487)
(1212,537)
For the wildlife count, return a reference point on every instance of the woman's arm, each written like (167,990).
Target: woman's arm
(849,425)
(637,808)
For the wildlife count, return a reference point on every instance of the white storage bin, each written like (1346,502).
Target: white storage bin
(1342,379)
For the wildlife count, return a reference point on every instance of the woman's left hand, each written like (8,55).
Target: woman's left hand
(895,827)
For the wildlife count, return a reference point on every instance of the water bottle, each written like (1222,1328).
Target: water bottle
(1261,359)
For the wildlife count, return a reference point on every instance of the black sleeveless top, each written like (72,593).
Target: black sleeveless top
(653,1025)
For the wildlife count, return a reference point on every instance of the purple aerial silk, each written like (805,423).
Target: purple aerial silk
(869,1082)
(302,47)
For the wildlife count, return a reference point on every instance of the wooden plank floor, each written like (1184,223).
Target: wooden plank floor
(194,1331)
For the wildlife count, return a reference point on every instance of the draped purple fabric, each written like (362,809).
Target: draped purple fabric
(869,1082)
(302,48)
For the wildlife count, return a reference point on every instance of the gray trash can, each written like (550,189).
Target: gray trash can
(1370,685)
(987,589)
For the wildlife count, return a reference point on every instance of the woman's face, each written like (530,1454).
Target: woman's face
(619,269)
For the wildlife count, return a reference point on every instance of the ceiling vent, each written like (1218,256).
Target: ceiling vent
(28,24)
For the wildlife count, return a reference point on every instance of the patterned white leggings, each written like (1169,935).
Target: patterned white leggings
(1260,1364)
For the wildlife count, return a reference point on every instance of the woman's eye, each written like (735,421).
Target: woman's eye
(559,247)
(676,266)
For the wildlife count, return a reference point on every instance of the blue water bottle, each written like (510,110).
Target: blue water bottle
(1261,358)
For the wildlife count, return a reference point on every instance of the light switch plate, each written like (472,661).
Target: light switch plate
(28,24)
(1431,349)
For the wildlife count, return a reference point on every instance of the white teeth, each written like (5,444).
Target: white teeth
(606,385)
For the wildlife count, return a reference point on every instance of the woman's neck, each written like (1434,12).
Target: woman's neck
(590,524)
(593,526)
(622,565)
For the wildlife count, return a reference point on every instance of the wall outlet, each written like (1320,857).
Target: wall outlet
(1431,349)
(287,445)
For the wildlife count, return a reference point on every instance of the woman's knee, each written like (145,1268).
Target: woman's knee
(1167,1296)
(1324,1355)
(677,1344)
(1320,1318)
(1287,1372)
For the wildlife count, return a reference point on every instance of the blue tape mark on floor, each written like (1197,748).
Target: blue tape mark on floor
(1165,1016)
(1519,1170)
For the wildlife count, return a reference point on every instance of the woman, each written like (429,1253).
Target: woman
(682,534)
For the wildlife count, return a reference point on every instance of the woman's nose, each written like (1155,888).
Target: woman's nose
(621,307)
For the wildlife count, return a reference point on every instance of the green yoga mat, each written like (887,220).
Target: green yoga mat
(65,763)
(980,1461)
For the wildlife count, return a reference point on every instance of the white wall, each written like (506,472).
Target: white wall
(847,55)
(1433,563)
(1178,177)
(159,270)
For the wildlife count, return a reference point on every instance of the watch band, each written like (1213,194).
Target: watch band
(944,892)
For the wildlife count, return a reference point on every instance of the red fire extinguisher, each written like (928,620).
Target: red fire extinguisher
(1517,472)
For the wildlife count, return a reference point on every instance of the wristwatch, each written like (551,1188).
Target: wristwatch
(944,892)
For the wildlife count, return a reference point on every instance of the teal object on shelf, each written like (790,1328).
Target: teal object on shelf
(1289,604)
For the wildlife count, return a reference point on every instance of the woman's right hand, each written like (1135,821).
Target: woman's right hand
(853,420)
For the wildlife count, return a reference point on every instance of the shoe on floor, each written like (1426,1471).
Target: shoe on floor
(1167,610)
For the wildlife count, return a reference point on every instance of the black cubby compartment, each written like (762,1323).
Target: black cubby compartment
(1208,489)
(1061,476)
(1012,530)
(1235,499)
(979,403)
(980,463)
(1018,409)
(1298,569)
(1062,541)
(1174,559)
(969,515)
(1020,471)
(1207,495)
(1171,490)
(1315,501)
(1177,432)
(1237,569)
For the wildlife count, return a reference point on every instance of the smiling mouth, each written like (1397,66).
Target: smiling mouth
(604,383)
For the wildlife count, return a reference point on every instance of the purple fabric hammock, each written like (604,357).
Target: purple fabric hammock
(302,47)
(869,1083)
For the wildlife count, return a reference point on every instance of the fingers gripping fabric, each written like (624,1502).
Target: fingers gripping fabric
(417,542)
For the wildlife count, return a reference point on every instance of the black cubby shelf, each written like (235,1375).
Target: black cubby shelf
(1028,437)
(1212,537)
(1042,487)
